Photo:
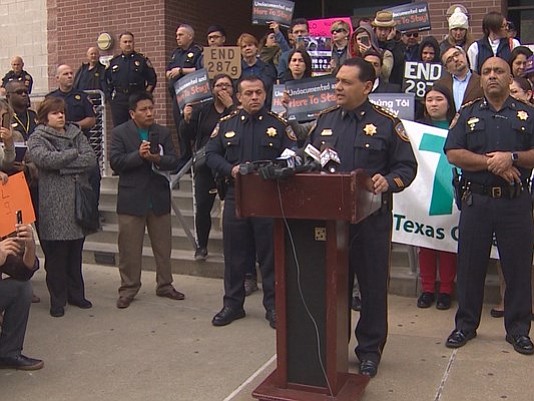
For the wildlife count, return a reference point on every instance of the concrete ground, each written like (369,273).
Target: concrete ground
(159,349)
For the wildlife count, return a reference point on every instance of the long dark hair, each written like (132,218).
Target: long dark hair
(307,61)
(451,111)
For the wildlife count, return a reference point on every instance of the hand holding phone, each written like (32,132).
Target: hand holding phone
(153,138)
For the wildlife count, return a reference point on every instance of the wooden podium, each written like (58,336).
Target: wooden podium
(312,213)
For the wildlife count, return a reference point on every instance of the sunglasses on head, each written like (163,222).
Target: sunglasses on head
(339,30)
(412,34)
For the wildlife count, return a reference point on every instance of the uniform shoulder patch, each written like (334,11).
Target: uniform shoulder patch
(401,132)
(148,62)
(329,110)
(290,133)
(229,116)
(215,131)
(278,117)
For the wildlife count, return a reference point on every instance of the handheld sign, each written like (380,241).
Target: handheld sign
(192,88)
(223,60)
(321,27)
(320,50)
(308,97)
(265,11)
(276,105)
(400,104)
(419,77)
(411,17)
(15,197)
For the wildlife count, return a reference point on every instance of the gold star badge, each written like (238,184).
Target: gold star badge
(522,115)
(77,97)
(229,134)
(137,63)
(326,132)
(191,54)
(370,129)
(271,132)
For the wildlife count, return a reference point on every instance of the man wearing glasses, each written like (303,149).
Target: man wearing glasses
(216,36)
(460,80)
(24,118)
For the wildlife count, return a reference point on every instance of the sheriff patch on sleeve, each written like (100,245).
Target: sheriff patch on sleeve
(401,132)
(290,133)
(215,132)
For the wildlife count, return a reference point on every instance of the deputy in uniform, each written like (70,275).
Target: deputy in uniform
(251,133)
(368,137)
(185,59)
(492,141)
(129,72)
(17,73)
(92,74)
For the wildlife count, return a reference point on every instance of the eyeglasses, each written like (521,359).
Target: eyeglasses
(339,30)
(20,91)
(451,58)
(412,34)
(214,37)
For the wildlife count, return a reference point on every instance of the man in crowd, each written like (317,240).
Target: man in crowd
(459,79)
(128,73)
(216,36)
(185,59)
(298,29)
(24,118)
(17,73)
(140,148)
(251,133)
(379,85)
(492,141)
(357,128)
(383,25)
(91,74)
(18,261)
(410,45)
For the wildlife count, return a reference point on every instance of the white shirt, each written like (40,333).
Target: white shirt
(472,52)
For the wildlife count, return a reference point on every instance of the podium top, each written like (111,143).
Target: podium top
(311,196)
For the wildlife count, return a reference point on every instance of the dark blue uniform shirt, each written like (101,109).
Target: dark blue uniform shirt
(480,129)
(188,58)
(129,74)
(23,77)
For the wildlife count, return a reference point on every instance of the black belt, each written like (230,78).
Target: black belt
(497,192)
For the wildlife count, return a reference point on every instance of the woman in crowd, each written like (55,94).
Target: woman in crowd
(363,39)
(63,155)
(429,50)
(340,32)
(458,31)
(518,60)
(198,123)
(299,66)
(439,111)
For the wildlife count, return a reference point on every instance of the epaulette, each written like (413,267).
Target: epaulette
(471,102)
(198,46)
(229,116)
(385,112)
(278,117)
(328,110)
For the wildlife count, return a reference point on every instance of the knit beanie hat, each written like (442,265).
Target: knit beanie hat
(458,20)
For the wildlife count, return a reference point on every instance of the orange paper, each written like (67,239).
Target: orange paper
(14,196)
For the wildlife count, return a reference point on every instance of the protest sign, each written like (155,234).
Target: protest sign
(320,50)
(223,60)
(265,11)
(321,27)
(15,196)
(278,93)
(411,17)
(419,77)
(309,97)
(401,105)
(192,88)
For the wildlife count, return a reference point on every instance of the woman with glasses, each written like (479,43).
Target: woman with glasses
(340,32)
(198,123)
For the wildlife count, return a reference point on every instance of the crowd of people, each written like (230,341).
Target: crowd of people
(487,84)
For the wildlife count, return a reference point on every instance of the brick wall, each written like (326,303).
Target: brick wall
(477,9)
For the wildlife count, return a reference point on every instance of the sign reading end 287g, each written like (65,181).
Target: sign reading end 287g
(223,60)
(419,77)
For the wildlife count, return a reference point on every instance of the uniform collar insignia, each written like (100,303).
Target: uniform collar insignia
(271,132)
(370,129)
(326,132)
(522,115)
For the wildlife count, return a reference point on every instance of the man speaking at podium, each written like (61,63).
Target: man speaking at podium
(368,137)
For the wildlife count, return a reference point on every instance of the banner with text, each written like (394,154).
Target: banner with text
(321,27)
(265,11)
(192,88)
(400,104)
(320,50)
(278,93)
(424,214)
(308,97)
(411,17)
(222,60)
(419,77)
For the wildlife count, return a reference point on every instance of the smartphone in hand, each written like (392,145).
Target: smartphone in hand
(153,138)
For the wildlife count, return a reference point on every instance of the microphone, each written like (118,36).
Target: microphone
(329,159)
(289,158)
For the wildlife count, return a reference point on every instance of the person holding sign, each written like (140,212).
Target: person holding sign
(492,141)
(368,137)
(198,123)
